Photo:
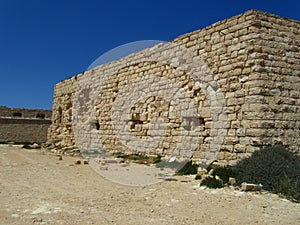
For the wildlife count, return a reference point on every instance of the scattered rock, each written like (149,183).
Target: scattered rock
(170,179)
(103,167)
(203,187)
(232,181)
(197,186)
(59,157)
(201,171)
(249,187)
(35,146)
(85,162)
(211,172)
(78,162)
(218,178)
(119,160)
(37,220)
(111,161)
(205,176)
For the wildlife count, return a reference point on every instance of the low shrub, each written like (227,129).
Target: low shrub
(212,182)
(187,169)
(224,173)
(198,177)
(286,188)
(276,168)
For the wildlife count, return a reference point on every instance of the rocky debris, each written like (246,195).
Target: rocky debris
(211,172)
(36,146)
(201,171)
(111,161)
(77,162)
(232,181)
(103,166)
(58,148)
(170,179)
(249,187)
(29,146)
(205,176)
(37,220)
(81,161)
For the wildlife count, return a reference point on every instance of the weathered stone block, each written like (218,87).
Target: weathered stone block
(249,187)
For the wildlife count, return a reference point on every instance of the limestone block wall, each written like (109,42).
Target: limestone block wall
(24,125)
(257,60)
(254,63)
(60,133)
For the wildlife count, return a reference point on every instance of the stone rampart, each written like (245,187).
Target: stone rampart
(251,63)
(24,125)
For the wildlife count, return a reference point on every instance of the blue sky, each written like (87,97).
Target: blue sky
(45,41)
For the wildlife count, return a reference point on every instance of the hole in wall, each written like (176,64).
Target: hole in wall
(97,125)
(17,114)
(59,118)
(40,116)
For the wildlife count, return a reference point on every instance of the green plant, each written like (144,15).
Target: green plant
(198,177)
(188,168)
(119,155)
(286,188)
(224,173)
(212,182)
(276,168)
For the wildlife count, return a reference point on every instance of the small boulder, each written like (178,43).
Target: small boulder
(231,181)
(36,146)
(78,162)
(211,172)
(103,167)
(201,171)
(249,187)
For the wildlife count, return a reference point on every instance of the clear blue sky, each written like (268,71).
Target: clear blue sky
(45,41)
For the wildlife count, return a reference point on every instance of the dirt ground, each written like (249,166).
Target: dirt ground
(37,188)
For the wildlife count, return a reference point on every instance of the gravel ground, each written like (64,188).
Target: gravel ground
(37,188)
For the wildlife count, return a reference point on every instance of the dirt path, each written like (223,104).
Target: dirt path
(36,188)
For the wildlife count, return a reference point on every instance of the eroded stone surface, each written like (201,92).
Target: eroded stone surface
(252,61)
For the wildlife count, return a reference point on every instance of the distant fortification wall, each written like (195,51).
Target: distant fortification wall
(24,125)
(254,59)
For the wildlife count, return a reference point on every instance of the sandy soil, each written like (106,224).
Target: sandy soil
(37,188)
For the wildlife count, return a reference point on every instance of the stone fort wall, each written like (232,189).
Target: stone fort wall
(24,125)
(254,59)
